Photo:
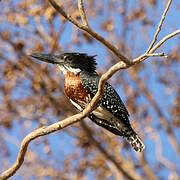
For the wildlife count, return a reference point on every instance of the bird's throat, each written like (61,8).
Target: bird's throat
(66,69)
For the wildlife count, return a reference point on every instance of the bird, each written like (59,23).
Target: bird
(81,84)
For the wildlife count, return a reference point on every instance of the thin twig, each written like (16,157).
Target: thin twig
(163,40)
(159,26)
(82,12)
(160,43)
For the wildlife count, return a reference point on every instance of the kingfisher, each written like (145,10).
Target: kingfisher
(81,84)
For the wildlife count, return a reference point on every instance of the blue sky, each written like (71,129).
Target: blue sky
(62,137)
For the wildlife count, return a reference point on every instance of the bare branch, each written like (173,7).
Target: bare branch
(82,12)
(90,32)
(151,53)
(124,63)
(62,124)
(159,26)
(163,40)
(63,13)
(35,134)
(59,125)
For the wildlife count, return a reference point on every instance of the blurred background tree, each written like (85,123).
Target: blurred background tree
(31,93)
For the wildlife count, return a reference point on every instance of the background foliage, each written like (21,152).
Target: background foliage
(31,93)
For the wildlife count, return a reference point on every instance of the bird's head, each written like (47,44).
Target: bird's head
(73,62)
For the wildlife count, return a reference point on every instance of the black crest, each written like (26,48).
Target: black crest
(79,60)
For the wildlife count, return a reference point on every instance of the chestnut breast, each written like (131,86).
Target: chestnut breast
(74,88)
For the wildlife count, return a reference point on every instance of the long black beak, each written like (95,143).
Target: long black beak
(49,58)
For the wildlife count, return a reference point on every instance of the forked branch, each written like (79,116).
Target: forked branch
(123,63)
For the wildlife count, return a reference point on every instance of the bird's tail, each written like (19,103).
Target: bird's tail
(125,131)
(135,141)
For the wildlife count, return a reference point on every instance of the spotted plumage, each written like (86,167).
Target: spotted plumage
(81,84)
